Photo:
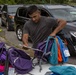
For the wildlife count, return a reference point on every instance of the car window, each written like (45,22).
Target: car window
(65,14)
(4,8)
(12,9)
(72,11)
(44,12)
(22,12)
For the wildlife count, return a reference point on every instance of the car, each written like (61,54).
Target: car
(73,6)
(7,17)
(65,12)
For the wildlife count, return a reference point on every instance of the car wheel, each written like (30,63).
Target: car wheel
(19,33)
(71,48)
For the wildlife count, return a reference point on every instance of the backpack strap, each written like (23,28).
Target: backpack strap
(2,45)
(44,51)
(47,42)
(6,63)
(27,73)
(53,58)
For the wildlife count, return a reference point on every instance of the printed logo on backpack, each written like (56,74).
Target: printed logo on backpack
(62,48)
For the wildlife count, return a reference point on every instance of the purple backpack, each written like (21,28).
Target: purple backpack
(2,57)
(2,52)
(20,60)
(45,47)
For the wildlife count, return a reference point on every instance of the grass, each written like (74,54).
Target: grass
(9,43)
(72,3)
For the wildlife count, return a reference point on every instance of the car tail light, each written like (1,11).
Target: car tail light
(65,41)
(11,17)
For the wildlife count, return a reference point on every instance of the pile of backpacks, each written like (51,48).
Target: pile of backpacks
(53,51)
(55,45)
(2,58)
(15,58)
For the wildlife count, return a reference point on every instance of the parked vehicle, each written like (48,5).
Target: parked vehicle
(7,18)
(65,12)
(73,6)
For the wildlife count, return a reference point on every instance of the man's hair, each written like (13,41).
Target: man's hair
(32,9)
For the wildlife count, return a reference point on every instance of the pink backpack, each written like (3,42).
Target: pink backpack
(1,68)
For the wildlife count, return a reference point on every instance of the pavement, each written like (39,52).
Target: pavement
(2,36)
(3,39)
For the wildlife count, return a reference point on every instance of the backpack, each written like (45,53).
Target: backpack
(62,47)
(2,52)
(20,60)
(45,47)
(2,56)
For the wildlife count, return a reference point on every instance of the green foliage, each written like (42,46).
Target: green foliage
(3,1)
(11,2)
(59,1)
(33,1)
(7,2)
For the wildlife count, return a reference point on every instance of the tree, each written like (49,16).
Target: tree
(33,1)
(3,1)
(59,1)
(11,2)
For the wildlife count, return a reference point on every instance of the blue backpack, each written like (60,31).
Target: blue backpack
(62,47)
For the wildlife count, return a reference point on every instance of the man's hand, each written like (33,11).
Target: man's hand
(61,25)
(25,41)
(53,34)
(25,47)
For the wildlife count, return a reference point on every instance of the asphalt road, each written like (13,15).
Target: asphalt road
(11,36)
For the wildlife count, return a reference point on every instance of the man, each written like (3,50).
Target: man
(40,27)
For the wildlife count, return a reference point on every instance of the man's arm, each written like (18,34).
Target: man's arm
(25,39)
(61,25)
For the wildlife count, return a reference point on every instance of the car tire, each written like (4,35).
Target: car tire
(19,33)
(69,45)
(71,48)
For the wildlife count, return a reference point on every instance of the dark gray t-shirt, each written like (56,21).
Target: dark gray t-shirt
(39,31)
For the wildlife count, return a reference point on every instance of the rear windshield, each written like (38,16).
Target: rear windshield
(12,9)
